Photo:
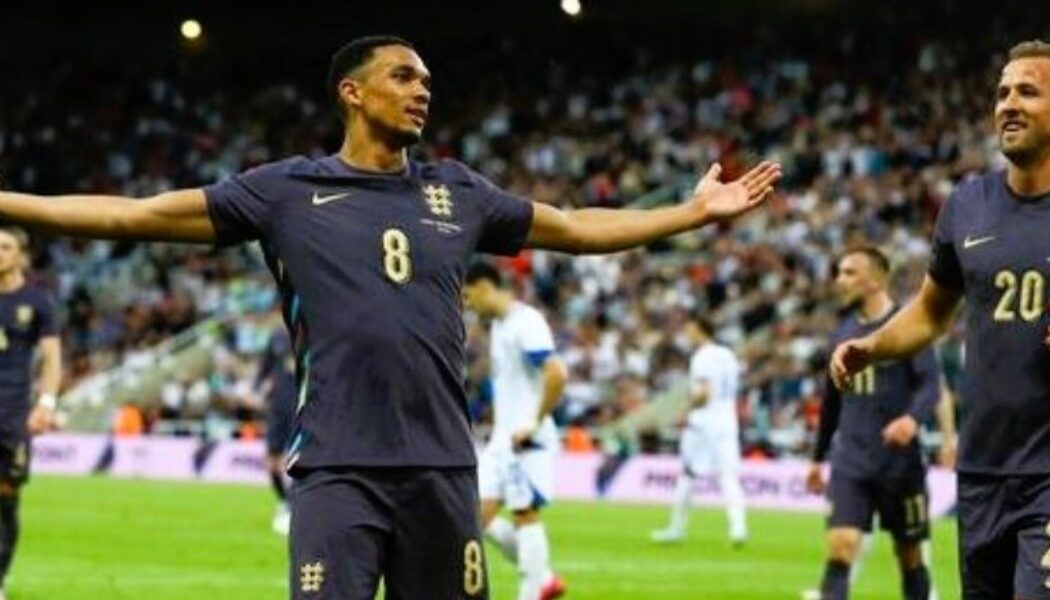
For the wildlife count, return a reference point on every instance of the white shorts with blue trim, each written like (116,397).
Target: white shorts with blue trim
(710,450)
(520,480)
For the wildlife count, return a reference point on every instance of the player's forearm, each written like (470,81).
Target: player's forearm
(166,217)
(555,375)
(598,230)
(50,377)
(830,410)
(924,405)
(946,414)
(78,215)
(915,327)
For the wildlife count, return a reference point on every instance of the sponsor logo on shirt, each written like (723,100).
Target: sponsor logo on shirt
(971,242)
(319,200)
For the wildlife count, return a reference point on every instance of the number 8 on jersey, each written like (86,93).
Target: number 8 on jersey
(396,259)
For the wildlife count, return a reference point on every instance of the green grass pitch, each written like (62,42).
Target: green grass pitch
(107,539)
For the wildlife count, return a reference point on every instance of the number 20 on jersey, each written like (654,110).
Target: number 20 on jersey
(1021,295)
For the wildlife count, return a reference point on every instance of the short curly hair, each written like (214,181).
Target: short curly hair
(353,56)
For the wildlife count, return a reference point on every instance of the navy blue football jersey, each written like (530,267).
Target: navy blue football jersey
(880,394)
(26,315)
(370,268)
(994,247)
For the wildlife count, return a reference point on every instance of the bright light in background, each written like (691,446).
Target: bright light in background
(571,7)
(191,29)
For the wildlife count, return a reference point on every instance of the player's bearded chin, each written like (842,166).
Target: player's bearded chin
(1027,151)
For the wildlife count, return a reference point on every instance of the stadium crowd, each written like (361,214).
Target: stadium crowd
(869,158)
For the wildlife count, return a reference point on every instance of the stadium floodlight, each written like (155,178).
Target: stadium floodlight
(191,29)
(571,7)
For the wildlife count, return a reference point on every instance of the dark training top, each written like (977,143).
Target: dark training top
(370,266)
(879,395)
(994,247)
(26,315)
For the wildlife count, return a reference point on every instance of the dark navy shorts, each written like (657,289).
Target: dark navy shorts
(901,503)
(417,529)
(1004,536)
(14,461)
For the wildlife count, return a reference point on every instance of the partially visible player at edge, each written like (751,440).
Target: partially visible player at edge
(27,323)
(516,468)
(991,247)
(876,462)
(369,249)
(275,381)
(710,441)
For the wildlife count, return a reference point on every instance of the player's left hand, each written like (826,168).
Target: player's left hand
(41,419)
(522,439)
(721,201)
(815,483)
(900,432)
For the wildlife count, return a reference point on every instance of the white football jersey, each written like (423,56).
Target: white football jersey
(717,367)
(519,342)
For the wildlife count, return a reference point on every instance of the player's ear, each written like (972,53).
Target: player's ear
(350,92)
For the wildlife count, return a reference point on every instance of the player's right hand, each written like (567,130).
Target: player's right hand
(849,357)
(41,419)
(815,479)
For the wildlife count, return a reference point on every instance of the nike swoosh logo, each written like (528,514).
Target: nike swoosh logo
(319,200)
(971,242)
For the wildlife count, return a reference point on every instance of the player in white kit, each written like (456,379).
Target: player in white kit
(515,470)
(710,442)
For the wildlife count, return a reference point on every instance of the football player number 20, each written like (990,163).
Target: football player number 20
(1022,296)
(396,259)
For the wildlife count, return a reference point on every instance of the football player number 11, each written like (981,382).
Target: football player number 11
(397,262)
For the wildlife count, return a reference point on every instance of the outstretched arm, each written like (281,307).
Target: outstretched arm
(916,326)
(597,230)
(179,216)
